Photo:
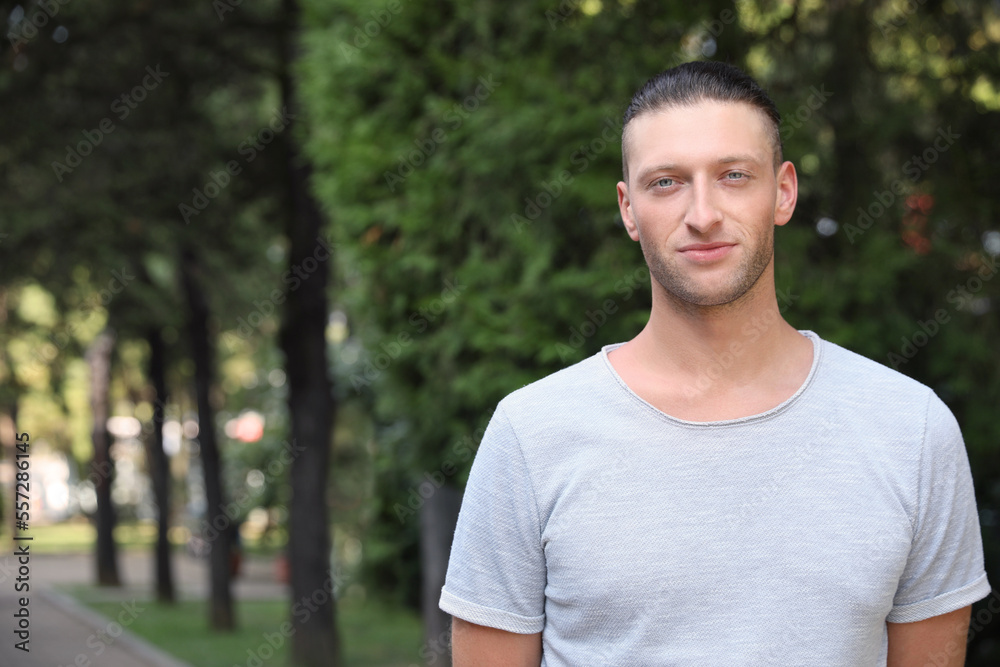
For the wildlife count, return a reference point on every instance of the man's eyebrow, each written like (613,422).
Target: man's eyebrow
(743,157)
(729,159)
(646,173)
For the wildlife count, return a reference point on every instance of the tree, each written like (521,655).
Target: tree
(99,359)
(184,90)
(310,396)
(159,467)
(221,615)
(471,168)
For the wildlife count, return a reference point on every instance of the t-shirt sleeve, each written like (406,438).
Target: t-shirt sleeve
(496,572)
(944,571)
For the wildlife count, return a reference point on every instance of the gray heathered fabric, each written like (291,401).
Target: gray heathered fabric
(787,538)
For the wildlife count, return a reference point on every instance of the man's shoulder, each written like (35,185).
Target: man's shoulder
(564,391)
(868,379)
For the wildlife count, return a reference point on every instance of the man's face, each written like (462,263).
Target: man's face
(703,198)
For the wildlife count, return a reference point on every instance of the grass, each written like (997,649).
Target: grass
(372,634)
(79,536)
(76,537)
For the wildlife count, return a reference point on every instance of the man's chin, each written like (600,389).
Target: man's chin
(706,297)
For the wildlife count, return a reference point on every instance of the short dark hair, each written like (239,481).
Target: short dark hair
(694,82)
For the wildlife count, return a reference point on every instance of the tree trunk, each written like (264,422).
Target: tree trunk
(216,522)
(8,420)
(102,470)
(8,441)
(159,468)
(438,518)
(310,400)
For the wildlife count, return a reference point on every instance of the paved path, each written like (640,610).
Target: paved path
(64,633)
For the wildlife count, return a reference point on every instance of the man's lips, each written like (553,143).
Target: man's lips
(706,252)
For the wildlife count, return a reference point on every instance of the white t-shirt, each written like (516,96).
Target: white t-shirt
(629,537)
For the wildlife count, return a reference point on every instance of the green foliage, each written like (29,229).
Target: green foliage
(466,155)
(461,163)
(114,129)
(421,194)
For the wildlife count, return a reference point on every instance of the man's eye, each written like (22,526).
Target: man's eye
(736,176)
(665,182)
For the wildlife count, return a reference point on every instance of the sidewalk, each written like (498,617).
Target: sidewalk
(63,632)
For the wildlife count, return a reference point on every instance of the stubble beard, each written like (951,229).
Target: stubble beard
(680,286)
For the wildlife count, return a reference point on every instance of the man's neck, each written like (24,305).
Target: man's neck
(705,361)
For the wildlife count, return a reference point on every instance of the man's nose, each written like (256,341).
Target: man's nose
(702,211)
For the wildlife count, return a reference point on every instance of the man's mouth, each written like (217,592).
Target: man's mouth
(706,252)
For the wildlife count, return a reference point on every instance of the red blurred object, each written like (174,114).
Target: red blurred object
(920,243)
(281,568)
(235,560)
(915,223)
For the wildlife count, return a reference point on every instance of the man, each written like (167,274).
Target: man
(722,489)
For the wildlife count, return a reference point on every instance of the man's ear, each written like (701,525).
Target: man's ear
(788,193)
(625,206)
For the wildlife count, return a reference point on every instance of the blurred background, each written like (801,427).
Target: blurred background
(267,268)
